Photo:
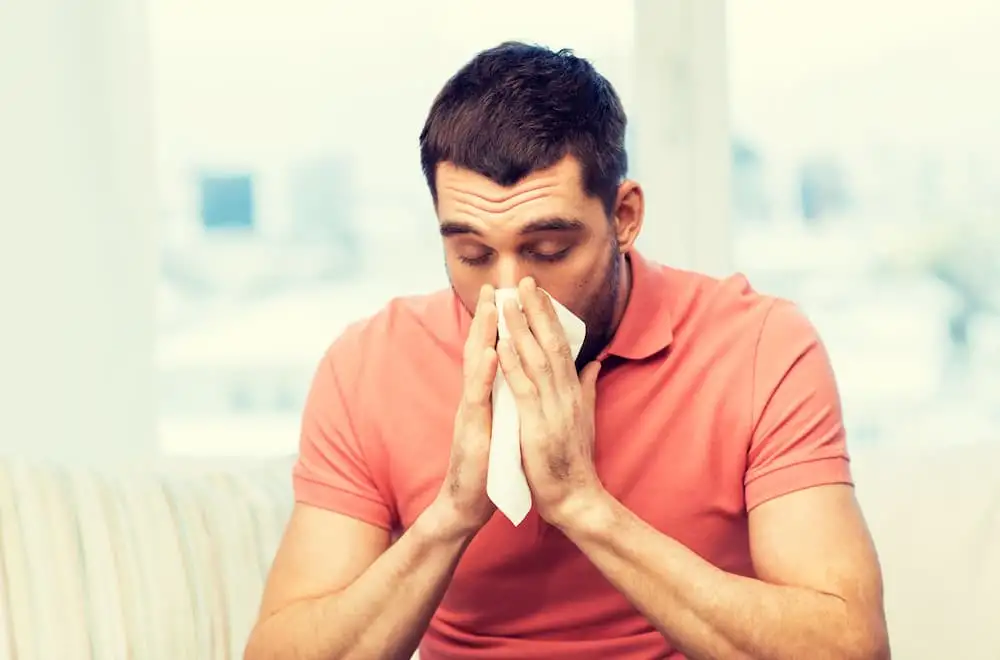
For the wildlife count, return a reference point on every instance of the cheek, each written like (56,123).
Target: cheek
(580,288)
(574,290)
(588,273)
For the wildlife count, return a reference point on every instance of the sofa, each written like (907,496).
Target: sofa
(167,560)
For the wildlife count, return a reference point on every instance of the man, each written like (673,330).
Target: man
(689,475)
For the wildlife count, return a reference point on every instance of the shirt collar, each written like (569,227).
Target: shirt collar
(646,327)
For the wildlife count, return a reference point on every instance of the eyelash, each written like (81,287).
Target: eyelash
(547,258)
(478,261)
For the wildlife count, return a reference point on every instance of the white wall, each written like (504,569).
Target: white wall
(681,118)
(77,217)
(77,240)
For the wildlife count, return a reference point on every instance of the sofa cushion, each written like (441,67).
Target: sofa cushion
(935,518)
(166,562)
(169,561)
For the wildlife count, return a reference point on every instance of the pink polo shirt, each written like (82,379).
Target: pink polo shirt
(712,399)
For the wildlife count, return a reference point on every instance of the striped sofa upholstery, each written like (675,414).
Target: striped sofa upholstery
(168,561)
(146,564)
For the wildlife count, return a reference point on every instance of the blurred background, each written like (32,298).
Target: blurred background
(865,184)
(845,155)
(197,196)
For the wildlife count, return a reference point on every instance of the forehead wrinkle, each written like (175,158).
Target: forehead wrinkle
(493,206)
(491,189)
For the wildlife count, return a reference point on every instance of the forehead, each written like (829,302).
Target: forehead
(468,196)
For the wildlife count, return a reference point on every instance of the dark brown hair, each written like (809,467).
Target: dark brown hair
(518,108)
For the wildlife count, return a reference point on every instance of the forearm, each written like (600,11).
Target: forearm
(706,612)
(383,613)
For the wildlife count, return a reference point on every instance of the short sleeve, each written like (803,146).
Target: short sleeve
(333,470)
(798,439)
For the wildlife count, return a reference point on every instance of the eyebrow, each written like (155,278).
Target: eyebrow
(458,228)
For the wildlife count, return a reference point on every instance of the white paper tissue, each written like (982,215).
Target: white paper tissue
(506,484)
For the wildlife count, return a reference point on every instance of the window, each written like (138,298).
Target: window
(289,173)
(866,186)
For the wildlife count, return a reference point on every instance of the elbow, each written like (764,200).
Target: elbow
(872,651)
(877,650)
(268,637)
(872,644)
(256,648)
(261,644)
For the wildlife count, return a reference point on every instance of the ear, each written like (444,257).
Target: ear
(628,214)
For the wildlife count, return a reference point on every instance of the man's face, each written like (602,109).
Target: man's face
(546,227)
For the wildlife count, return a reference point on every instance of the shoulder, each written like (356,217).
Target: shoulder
(726,310)
(402,328)
(751,338)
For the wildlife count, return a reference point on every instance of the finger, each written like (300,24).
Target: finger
(524,389)
(531,357)
(482,332)
(480,352)
(479,387)
(588,384)
(547,330)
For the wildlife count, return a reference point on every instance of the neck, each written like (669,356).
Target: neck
(622,294)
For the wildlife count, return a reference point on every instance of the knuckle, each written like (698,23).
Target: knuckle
(543,367)
(471,399)
(523,386)
(575,411)
(560,348)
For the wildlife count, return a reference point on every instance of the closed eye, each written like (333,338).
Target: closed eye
(550,257)
(475,261)
(545,256)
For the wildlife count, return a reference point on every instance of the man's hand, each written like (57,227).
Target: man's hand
(463,495)
(555,404)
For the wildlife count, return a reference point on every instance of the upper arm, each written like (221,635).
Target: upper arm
(806,528)
(320,553)
(817,538)
(342,517)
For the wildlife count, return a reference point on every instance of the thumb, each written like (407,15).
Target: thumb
(588,383)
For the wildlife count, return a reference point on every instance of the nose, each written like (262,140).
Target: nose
(509,271)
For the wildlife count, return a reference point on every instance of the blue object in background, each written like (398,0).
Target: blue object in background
(227,201)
